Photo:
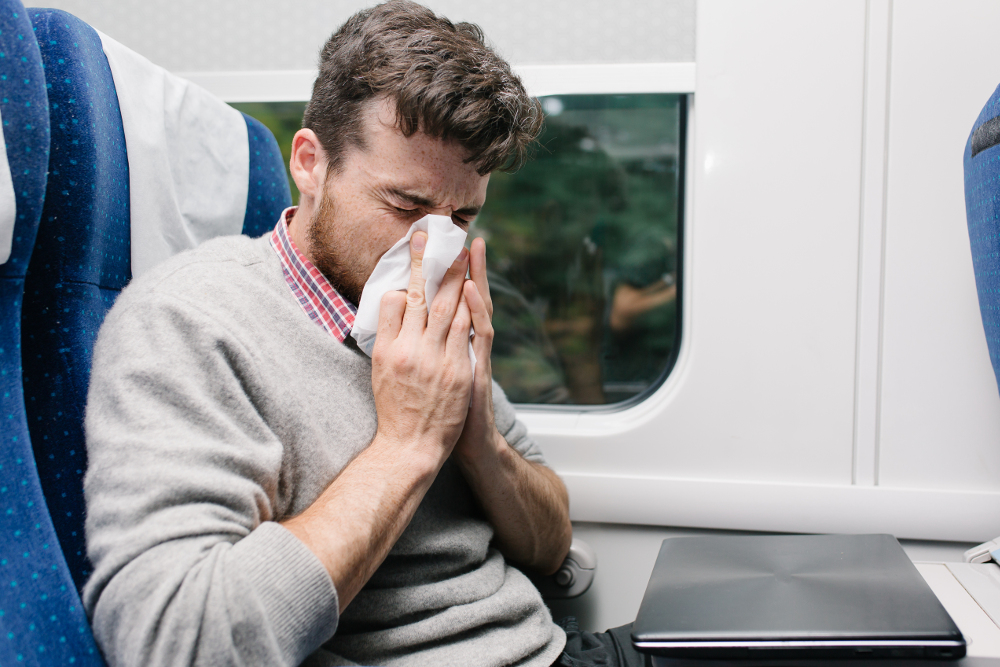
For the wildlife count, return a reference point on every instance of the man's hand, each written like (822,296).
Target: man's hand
(421,374)
(422,379)
(526,502)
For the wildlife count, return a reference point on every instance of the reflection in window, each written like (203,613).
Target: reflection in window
(582,245)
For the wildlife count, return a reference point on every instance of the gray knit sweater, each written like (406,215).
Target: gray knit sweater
(216,409)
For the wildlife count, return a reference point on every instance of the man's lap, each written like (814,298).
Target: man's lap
(612,648)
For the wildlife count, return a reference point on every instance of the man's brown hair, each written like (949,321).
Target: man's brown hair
(443,78)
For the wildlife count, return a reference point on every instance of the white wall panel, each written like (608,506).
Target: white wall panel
(940,409)
(765,387)
(576,79)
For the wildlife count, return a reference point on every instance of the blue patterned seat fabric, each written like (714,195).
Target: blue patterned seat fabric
(80,263)
(83,256)
(42,621)
(982,209)
(268,194)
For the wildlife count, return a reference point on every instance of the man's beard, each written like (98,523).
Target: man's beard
(341,267)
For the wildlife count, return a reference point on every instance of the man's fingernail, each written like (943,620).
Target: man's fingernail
(462,255)
(418,241)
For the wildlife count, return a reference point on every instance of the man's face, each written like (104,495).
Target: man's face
(380,191)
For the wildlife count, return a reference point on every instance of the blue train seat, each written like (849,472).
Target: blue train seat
(982,209)
(42,621)
(80,263)
(94,212)
(981,162)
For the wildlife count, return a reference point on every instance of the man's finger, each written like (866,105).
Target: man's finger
(446,301)
(482,324)
(416,305)
(458,331)
(390,315)
(477,271)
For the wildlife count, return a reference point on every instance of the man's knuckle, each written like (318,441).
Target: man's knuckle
(439,310)
(402,359)
(414,298)
(484,329)
(453,377)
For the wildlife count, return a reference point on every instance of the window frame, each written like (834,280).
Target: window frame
(618,79)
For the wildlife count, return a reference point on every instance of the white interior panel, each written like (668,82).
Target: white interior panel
(764,389)
(623,78)
(940,409)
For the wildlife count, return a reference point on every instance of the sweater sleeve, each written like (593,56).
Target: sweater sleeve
(189,566)
(512,429)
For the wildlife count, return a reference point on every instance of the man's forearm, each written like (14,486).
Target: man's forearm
(526,502)
(356,521)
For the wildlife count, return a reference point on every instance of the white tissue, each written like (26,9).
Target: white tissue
(445,241)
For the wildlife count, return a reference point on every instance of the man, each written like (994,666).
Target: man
(259,491)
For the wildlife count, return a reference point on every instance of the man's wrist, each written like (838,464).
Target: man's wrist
(485,454)
(413,455)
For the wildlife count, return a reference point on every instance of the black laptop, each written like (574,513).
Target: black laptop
(801,597)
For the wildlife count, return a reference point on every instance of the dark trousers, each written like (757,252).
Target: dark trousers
(599,649)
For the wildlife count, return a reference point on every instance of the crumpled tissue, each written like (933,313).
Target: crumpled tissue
(445,241)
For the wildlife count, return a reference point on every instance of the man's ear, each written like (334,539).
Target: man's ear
(308,164)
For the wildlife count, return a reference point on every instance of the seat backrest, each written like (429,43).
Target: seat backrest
(982,210)
(42,621)
(98,195)
(80,263)
(268,193)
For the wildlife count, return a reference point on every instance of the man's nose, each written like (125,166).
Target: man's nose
(443,210)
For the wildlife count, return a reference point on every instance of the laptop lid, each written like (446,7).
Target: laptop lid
(791,596)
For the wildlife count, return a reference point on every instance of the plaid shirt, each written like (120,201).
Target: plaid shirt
(317,297)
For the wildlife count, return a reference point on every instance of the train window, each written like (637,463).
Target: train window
(583,245)
(584,248)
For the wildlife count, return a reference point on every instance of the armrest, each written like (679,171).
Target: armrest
(984,552)
(573,577)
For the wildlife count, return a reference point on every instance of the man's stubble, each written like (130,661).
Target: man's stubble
(330,244)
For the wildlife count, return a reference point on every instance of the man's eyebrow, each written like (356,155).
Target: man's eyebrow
(470,211)
(420,200)
(410,197)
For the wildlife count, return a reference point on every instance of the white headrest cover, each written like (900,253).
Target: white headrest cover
(8,206)
(188,159)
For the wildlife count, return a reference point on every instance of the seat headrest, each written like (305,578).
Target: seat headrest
(982,210)
(24,119)
(188,159)
(8,207)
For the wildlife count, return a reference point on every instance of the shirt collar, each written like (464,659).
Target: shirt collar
(316,296)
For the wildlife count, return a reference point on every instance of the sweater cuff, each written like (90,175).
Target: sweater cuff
(292,585)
